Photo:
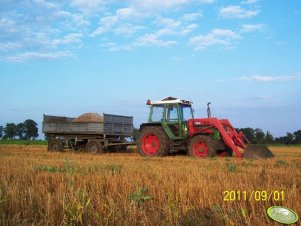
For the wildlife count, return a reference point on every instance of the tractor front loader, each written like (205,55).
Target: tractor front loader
(171,127)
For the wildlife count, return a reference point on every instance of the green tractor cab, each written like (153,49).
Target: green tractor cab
(167,127)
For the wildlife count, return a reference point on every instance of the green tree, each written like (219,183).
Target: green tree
(1,131)
(10,131)
(249,133)
(269,139)
(259,136)
(21,131)
(290,138)
(297,137)
(31,129)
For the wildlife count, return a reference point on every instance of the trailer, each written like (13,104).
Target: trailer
(112,132)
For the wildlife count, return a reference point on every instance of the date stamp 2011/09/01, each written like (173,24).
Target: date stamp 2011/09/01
(258,196)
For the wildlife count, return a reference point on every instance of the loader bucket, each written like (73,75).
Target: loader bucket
(257,152)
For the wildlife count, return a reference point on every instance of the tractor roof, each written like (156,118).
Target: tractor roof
(170,100)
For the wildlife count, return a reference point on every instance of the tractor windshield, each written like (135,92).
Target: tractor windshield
(157,113)
(186,112)
(172,113)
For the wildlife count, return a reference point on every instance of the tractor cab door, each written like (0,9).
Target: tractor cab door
(186,113)
(172,121)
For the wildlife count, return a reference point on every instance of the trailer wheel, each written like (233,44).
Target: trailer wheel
(201,146)
(153,142)
(55,145)
(94,146)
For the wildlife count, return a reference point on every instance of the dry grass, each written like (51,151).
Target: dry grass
(42,188)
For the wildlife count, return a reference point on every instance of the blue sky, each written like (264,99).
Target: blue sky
(71,57)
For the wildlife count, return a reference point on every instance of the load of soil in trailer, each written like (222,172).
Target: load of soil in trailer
(89,117)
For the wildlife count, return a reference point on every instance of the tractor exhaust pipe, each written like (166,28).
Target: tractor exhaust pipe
(208,110)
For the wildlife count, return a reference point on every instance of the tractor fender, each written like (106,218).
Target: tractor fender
(149,124)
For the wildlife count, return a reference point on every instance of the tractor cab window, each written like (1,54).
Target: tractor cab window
(186,112)
(157,113)
(172,113)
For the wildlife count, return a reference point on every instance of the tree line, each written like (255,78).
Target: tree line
(27,130)
(257,136)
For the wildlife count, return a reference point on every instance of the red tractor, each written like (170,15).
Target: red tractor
(171,127)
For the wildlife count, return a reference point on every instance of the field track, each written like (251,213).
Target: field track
(44,188)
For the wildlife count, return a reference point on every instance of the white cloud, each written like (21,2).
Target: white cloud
(251,27)
(174,27)
(249,1)
(88,6)
(191,16)
(153,40)
(236,11)
(77,19)
(127,29)
(261,78)
(158,5)
(107,23)
(7,25)
(126,13)
(68,39)
(189,28)
(217,37)
(23,57)
(99,31)
(170,26)
(207,1)
(9,46)
(147,40)
(45,4)
(38,27)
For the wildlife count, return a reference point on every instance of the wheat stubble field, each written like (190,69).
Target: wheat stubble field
(44,188)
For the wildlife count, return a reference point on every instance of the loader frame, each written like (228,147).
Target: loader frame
(226,132)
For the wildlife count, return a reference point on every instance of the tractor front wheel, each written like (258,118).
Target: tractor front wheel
(201,146)
(153,142)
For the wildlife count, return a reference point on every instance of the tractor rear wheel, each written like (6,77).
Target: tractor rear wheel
(55,145)
(153,142)
(201,146)
(94,146)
